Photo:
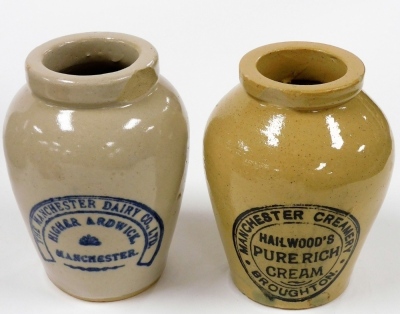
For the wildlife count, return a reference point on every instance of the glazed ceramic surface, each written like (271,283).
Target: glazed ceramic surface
(96,146)
(298,160)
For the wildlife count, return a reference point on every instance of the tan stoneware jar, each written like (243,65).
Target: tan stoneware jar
(298,160)
(96,147)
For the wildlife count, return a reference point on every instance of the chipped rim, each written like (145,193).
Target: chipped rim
(87,89)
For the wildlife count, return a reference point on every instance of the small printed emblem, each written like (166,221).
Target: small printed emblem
(89,240)
(293,253)
(96,233)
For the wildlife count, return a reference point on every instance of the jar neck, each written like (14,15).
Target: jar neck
(301,75)
(93,69)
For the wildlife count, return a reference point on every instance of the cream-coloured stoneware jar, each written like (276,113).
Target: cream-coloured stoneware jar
(96,147)
(298,160)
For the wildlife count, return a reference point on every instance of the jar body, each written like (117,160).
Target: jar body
(295,193)
(99,186)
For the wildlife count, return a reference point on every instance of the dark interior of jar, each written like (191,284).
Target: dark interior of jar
(301,67)
(90,57)
(94,68)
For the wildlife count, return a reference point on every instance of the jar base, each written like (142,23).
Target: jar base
(111,299)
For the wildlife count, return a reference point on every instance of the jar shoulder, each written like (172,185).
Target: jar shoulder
(263,137)
(31,115)
(120,132)
(240,116)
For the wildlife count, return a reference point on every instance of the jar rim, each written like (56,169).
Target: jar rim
(46,76)
(262,73)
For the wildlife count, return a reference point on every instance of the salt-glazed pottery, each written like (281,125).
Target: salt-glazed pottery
(96,147)
(298,161)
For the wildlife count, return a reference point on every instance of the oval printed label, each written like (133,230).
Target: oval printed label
(293,253)
(96,233)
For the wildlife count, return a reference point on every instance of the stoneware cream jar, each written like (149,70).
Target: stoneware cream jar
(298,161)
(96,147)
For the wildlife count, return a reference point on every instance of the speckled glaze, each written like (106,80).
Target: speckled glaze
(298,160)
(96,147)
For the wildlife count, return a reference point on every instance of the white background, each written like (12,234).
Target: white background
(200,44)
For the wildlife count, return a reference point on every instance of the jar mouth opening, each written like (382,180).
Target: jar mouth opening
(301,67)
(97,68)
(96,56)
(301,75)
